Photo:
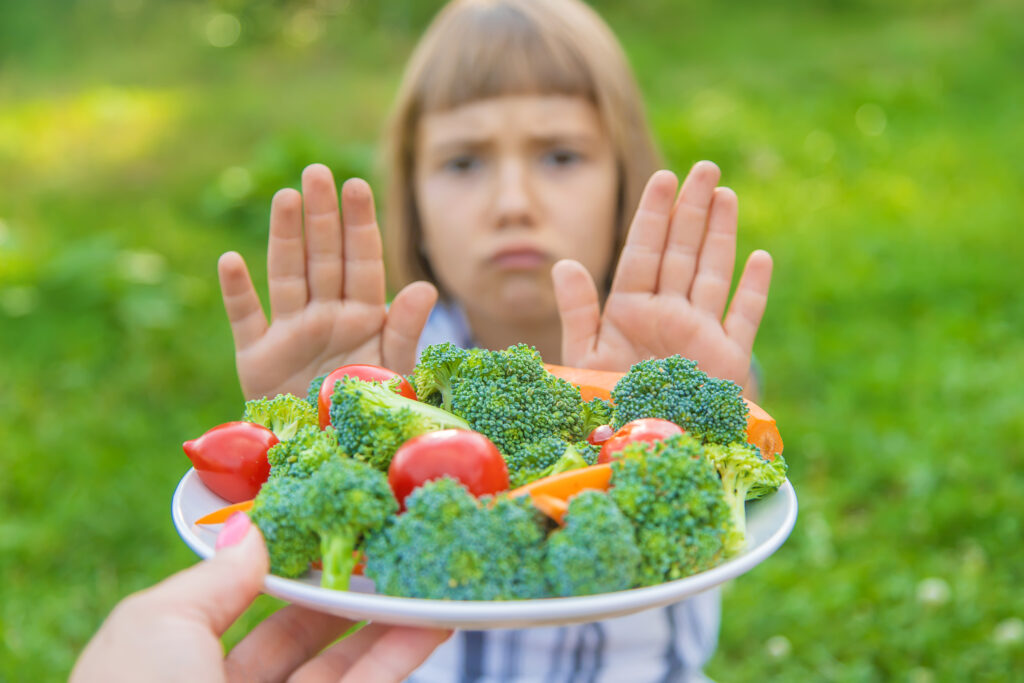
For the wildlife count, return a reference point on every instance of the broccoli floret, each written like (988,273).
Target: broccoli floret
(675,389)
(313,392)
(741,467)
(449,546)
(719,414)
(326,514)
(507,395)
(283,414)
(596,551)
(596,412)
(543,458)
(672,495)
(587,451)
(303,454)
(290,544)
(525,463)
(769,483)
(432,376)
(372,421)
(341,503)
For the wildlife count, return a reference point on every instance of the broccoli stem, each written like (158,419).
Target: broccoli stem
(439,416)
(736,488)
(570,460)
(446,395)
(339,559)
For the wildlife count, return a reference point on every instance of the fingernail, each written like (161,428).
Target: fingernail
(234,530)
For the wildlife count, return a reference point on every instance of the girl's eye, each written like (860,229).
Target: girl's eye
(463,163)
(561,157)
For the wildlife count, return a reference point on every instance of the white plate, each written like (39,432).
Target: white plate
(769,522)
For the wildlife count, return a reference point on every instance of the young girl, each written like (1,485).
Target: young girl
(523,201)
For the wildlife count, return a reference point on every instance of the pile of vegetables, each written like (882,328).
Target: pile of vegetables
(488,475)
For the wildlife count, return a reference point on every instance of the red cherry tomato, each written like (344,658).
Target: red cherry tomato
(370,373)
(600,434)
(467,456)
(644,429)
(231,459)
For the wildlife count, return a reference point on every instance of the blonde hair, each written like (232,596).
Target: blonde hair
(477,49)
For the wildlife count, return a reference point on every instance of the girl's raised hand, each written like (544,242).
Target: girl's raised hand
(327,293)
(671,286)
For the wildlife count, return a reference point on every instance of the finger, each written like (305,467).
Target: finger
(749,302)
(710,291)
(364,263)
(286,255)
(283,642)
(375,654)
(395,654)
(215,591)
(242,304)
(686,233)
(641,256)
(578,307)
(323,233)
(406,317)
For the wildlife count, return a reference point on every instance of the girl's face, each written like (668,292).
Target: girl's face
(507,186)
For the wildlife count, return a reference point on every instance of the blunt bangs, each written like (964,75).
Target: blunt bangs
(498,50)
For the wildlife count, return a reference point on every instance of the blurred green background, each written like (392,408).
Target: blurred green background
(878,152)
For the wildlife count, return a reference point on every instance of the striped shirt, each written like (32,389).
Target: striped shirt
(665,644)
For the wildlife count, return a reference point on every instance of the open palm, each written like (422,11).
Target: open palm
(327,292)
(671,286)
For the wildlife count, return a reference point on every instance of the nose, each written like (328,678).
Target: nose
(514,201)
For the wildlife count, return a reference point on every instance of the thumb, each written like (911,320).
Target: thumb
(406,318)
(219,589)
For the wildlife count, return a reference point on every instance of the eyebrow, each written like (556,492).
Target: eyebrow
(544,140)
(458,145)
(570,138)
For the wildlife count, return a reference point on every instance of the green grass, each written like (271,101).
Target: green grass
(876,153)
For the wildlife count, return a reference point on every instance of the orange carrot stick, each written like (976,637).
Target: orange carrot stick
(762,431)
(555,508)
(221,515)
(592,383)
(565,485)
(588,393)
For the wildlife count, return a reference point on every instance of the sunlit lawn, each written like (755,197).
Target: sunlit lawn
(877,154)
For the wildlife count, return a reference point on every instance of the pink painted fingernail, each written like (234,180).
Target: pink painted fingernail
(234,530)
